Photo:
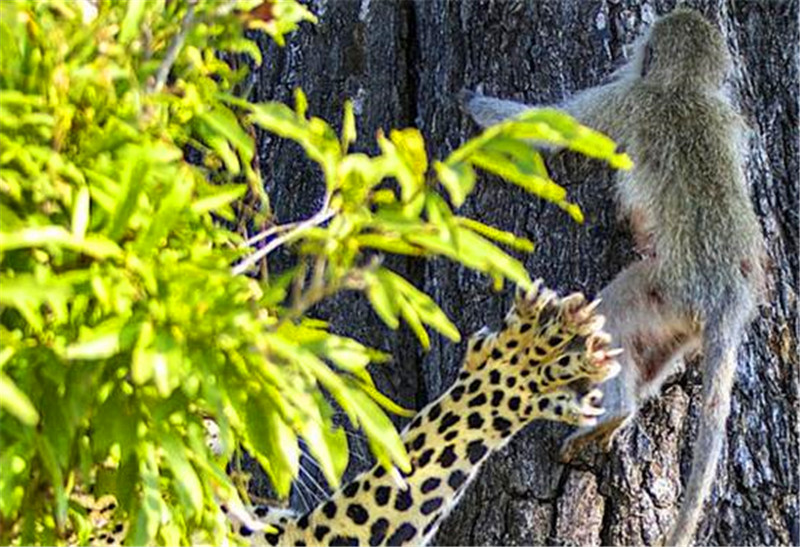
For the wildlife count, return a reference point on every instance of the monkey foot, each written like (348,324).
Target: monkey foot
(603,434)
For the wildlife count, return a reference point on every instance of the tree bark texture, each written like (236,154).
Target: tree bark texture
(402,64)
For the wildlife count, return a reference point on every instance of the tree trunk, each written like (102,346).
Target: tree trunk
(402,64)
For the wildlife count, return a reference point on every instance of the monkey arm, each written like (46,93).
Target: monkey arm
(487,111)
(605,108)
(601,108)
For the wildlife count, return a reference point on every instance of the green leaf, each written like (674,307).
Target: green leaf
(28,293)
(223,149)
(405,153)
(561,129)
(132,180)
(167,362)
(315,136)
(349,134)
(50,462)
(143,358)
(388,244)
(132,21)
(97,246)
(346,353)
(34,237)
(168,214)
(526,158)
(357,174)
(409,313)
(150,506)
(13,400)
(80,213)
(243,45)
(378,291)
(300,103)
(476,252)
(189,488)
(458,178)
(274,442)
(384,401)
(222,196)
(223,122)
(507,238)
(327,443)
(381,434)
(98,342)
(116,421)
(499,164)
(418,306)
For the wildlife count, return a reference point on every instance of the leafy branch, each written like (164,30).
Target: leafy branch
(125,322)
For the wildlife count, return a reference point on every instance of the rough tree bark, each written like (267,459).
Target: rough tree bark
(402,64)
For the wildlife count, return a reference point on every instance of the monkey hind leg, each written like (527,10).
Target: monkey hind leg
(654,336)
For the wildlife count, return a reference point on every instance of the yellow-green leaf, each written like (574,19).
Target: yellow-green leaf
(349,134)
(189,487)
(132,20)
(378,293)
(457,178)
(13,400)
(222,196)
(80,213)
(507,238)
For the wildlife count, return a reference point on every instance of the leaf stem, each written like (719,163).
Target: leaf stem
(174,49)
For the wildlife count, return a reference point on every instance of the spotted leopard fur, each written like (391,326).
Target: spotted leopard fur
(543,364)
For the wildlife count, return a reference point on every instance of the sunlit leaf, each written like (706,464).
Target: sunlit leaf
(458,179)
(418,306)
(98,342)
(384,401)
(378,292)
(273,438)
(222,196)
(13,400)
(80,213)
(189,487)
(148,514)
(143,359)
(132,21)
(388,244)
(134,171)
(223,122)
(243,45)
(300,103)
(327,443)
(34,237)
(28,293)
(383,437)
(507,238)
(349,134)
(50,461)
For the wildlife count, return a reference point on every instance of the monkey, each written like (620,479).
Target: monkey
(701,275)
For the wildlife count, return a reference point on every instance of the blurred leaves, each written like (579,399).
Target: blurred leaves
(122,323)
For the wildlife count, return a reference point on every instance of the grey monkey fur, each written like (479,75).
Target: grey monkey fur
(701,276)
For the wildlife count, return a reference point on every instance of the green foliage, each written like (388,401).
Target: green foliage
(125,319)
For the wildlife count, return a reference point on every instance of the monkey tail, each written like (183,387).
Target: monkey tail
(720,342)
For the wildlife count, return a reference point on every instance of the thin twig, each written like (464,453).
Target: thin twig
(301,227)
(270,231)
(174,49)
